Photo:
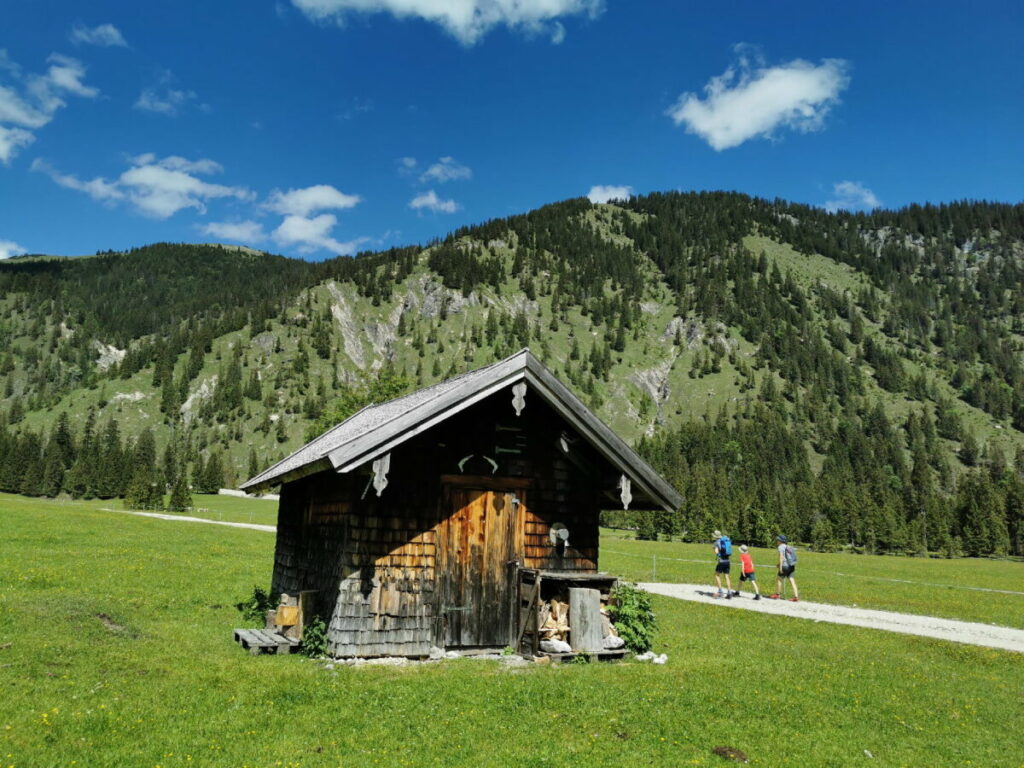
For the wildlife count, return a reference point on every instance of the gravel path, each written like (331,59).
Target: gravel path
(909,624)
(187,519)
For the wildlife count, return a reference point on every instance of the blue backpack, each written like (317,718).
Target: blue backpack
(724,547)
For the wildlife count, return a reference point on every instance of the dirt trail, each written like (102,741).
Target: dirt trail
(906,623)
(187,519)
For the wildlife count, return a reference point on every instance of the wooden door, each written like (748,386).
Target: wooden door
(476,545)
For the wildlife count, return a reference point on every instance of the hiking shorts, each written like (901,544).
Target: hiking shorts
(786,571)
(723,566)
(748,576)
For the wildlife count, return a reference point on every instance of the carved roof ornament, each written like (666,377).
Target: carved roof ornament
(626,492)
(519,397)
(380,472)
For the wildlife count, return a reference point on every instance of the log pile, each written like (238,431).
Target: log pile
(555,629)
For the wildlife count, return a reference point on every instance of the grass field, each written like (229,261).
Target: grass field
(227,508)
(115,650)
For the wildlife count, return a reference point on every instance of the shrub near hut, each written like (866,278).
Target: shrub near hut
(631,613)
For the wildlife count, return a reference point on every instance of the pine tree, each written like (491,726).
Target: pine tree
(980,509)
(181,498)
(53,467)
(254,465)
(253,388)
(81,478)
(211,477)
(31,463)
(110,466)
(145,488)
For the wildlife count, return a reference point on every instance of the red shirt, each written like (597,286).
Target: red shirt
(748,563)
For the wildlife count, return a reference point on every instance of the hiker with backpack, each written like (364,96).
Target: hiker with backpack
(723,551)
(787,566)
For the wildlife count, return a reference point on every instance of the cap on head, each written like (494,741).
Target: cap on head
(782,538)
(743,547)
(718,534)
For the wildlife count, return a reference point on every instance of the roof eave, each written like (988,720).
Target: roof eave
(369,446)
(601,436)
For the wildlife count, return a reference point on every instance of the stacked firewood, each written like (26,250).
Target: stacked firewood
(554,620)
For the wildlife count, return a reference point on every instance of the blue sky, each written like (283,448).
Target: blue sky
(313,127)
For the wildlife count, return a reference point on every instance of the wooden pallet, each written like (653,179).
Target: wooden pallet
(258,641)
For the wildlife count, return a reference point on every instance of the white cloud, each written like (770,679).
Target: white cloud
(9,248)
(406,165)
(314,234)
(165,99)
(601,193)
(6,63)
(176,163)
(747,101)
(98,189)
(446,169)
(161,192)
(30,102)
(166,102)
(466,20)
(64,74)
(104,35)
(431,202)
(158,188)
(302,202)
(235,231)
(11,141)
(852,196)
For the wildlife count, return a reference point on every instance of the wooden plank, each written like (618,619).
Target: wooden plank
(263,638)
(249,638)
(487,482)
(536,619)
(585,633)
(531,608)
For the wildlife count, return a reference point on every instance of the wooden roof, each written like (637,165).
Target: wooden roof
(377,429)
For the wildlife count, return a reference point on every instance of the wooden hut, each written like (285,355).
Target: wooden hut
(415,519)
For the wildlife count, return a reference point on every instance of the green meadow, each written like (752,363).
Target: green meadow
(116,650)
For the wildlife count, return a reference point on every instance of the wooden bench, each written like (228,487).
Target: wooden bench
(258,641)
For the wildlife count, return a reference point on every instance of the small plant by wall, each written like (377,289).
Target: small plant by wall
(631,613)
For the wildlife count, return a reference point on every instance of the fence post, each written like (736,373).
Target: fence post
(654,567)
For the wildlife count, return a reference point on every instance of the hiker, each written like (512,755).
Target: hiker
(787,566)
(723,551)
(747,571)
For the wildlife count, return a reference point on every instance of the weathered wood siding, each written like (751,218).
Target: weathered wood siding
(376,561)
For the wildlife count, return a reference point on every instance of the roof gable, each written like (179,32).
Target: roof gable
(377,429)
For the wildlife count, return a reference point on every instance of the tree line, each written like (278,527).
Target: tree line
(100,463)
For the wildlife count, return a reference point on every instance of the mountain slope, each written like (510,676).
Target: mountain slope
(881,353)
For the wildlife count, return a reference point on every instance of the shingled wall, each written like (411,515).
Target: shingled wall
(373,560)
